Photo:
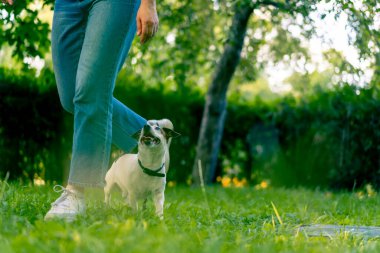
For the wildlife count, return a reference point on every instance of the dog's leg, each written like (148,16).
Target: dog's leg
(109,184)
(133,203)
(107,193)
(159,199)
(124,195)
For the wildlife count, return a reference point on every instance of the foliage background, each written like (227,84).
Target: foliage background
(327,139)
(325,132)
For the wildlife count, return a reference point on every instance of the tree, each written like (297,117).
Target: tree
(23,29)
(179,54)
(215,107)
(364,20)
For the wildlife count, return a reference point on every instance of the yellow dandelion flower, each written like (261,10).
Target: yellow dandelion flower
(226,182)
(264,184)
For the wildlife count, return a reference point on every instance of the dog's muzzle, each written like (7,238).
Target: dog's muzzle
(148,139)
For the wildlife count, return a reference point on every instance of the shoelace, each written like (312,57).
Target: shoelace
(63,197)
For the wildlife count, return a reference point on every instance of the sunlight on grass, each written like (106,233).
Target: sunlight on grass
(231,220)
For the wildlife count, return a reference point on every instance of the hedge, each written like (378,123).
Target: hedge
(330,139)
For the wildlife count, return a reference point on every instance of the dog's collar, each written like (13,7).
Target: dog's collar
(153,173)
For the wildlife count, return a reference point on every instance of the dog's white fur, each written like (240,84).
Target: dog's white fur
(128,174)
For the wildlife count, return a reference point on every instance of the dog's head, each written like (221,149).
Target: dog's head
(156,133)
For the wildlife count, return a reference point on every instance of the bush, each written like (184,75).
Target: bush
(31,126)
(329,139)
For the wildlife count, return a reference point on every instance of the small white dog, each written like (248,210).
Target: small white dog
(139,175)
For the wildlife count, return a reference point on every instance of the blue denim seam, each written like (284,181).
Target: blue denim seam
(107,126)
(109,112)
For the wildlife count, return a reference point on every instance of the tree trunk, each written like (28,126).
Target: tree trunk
(214,113)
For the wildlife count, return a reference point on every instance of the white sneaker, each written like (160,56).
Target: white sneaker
(68,206)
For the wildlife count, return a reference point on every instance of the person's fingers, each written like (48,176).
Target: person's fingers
(146,29)
(139,28)
(153,29)
(156,28)
(145,35)
(150,30)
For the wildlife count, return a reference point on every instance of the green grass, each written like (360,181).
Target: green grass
(235,220)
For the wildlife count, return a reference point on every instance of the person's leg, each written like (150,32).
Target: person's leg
(67,35)
(72,27)
(108,24)
(69,24)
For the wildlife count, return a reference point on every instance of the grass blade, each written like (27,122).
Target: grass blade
(277,214)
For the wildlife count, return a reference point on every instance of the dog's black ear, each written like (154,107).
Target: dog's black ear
(170,133)
(136,135)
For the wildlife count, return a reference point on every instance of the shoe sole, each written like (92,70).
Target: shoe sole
(65,217)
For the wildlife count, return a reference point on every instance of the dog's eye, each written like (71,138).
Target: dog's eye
(157,128)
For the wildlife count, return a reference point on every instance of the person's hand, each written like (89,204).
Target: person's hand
(10,2)
(147,20)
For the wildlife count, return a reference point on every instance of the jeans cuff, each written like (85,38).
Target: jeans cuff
(87,185)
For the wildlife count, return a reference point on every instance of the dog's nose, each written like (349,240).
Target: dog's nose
(146,127)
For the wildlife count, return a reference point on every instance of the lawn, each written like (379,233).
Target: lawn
(228,220)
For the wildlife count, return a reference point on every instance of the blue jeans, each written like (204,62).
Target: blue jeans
(90,40)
